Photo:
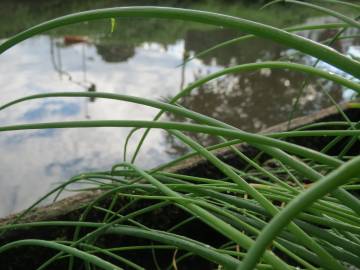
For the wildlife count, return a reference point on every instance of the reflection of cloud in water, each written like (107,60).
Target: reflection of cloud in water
(52,108)
(354,51)
(63,169)
(32,161)
(22,137)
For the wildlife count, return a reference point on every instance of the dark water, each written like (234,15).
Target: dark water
(140,58)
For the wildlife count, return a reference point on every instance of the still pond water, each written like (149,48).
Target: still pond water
(140,61)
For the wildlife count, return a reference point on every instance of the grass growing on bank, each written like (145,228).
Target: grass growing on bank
(301,210)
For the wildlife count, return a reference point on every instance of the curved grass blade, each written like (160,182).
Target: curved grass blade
(205,119)
(53,245)
(164,237)
(325,259)
(330,12)
(208,218)
(233,41)
(243,68)
(302,44)
(340,176)
(348,4)
(245,136)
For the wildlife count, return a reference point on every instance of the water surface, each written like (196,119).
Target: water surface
(140,58)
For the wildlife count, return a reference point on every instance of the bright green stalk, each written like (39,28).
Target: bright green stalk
(325,258)
(243,68)
(312,174)
(235,142)
(348,4)
(241,203)
(347,199)
(305,83)
(169,108)
(340,176)
(53,245)
(208,218)
(302,44)
(103,227)
(180,242)
(175,109)
(249,37)
(236,134)
(325,124)
(264,171)
(326,41)
(111,254)
(240,68)
(126,141)
(330,12)
(261,141)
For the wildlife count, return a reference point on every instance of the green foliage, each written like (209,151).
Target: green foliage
(113,25)
(301,211)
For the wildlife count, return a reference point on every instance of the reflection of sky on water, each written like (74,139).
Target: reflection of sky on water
(33,161)
(52,108)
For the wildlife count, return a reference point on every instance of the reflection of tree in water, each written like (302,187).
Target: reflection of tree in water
(244,51)
(115,52)
(251,101)
(254,101)
(253,49)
